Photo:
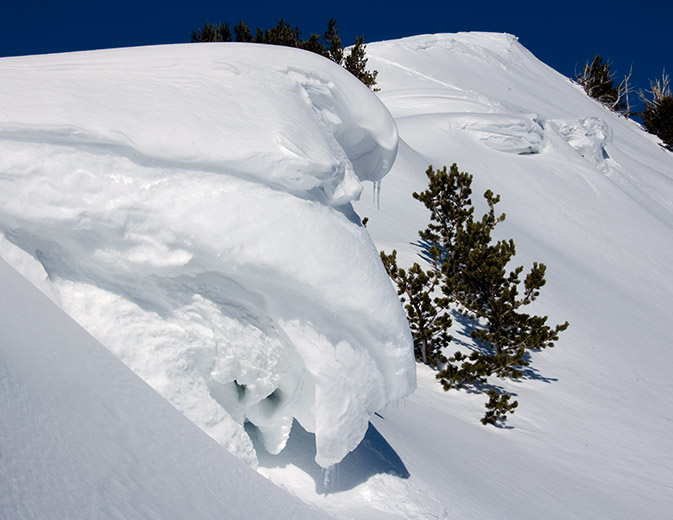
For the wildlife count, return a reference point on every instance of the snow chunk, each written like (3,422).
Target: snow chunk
(517,134)
(588,136)
(190,206)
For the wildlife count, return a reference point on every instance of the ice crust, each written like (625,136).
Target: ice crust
(189,205)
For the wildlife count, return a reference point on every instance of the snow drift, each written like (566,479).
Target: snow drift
(82,437)
(189,205)
(159,249)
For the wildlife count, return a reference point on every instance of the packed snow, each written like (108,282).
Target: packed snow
(190,207)
(82,437)
(196,209)
(588,193)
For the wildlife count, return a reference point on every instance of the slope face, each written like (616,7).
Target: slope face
(82,437)
(190,207)
(585,192)
(588,193)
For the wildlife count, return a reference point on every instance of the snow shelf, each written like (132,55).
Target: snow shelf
(189,205)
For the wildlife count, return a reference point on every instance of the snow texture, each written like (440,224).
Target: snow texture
(82,437)
(195,246)
(591,196)
(190,207)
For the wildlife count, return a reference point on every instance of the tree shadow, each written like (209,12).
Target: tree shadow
(424,249)
(373,456)
(463,337)
(533,374)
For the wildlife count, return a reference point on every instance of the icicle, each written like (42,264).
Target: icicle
(330,476)
(376,194)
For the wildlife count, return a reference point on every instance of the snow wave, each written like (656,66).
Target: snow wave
(516,134)
(189,206)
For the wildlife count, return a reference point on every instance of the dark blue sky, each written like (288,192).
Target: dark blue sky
(563,34)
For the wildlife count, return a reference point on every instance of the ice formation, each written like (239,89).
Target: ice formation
(189,205)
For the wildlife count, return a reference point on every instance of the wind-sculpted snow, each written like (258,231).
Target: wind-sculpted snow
(186,204)
(288,119)
(190,207)
(82,437)
(517,134)
(589,137)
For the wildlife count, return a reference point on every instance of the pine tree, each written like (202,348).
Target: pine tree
(331,38)
(448,200)
(313,45)
(207,33)
(356,63)
(597,81)
(259,36)
(282,34)
(224,33)
(427,312)
(468,271)
(242,32)
(212,33)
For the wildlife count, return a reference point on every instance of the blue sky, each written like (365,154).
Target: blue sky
(563,34)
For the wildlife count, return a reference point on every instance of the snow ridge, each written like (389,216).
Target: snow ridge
(190,207)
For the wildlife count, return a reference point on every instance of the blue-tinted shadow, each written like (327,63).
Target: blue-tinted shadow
(373,456)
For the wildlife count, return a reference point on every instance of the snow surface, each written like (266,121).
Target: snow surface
(190,207)
(137,237)
(82,437)
(588,193)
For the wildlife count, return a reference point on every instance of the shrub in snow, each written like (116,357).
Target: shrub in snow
(658,113)
(497,407)
(283,34)
(468,273)
(598,82)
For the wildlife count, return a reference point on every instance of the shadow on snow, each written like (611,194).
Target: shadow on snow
(373,456)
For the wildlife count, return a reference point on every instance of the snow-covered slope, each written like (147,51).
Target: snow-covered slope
(82,437)
(189,206)
(589,194)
